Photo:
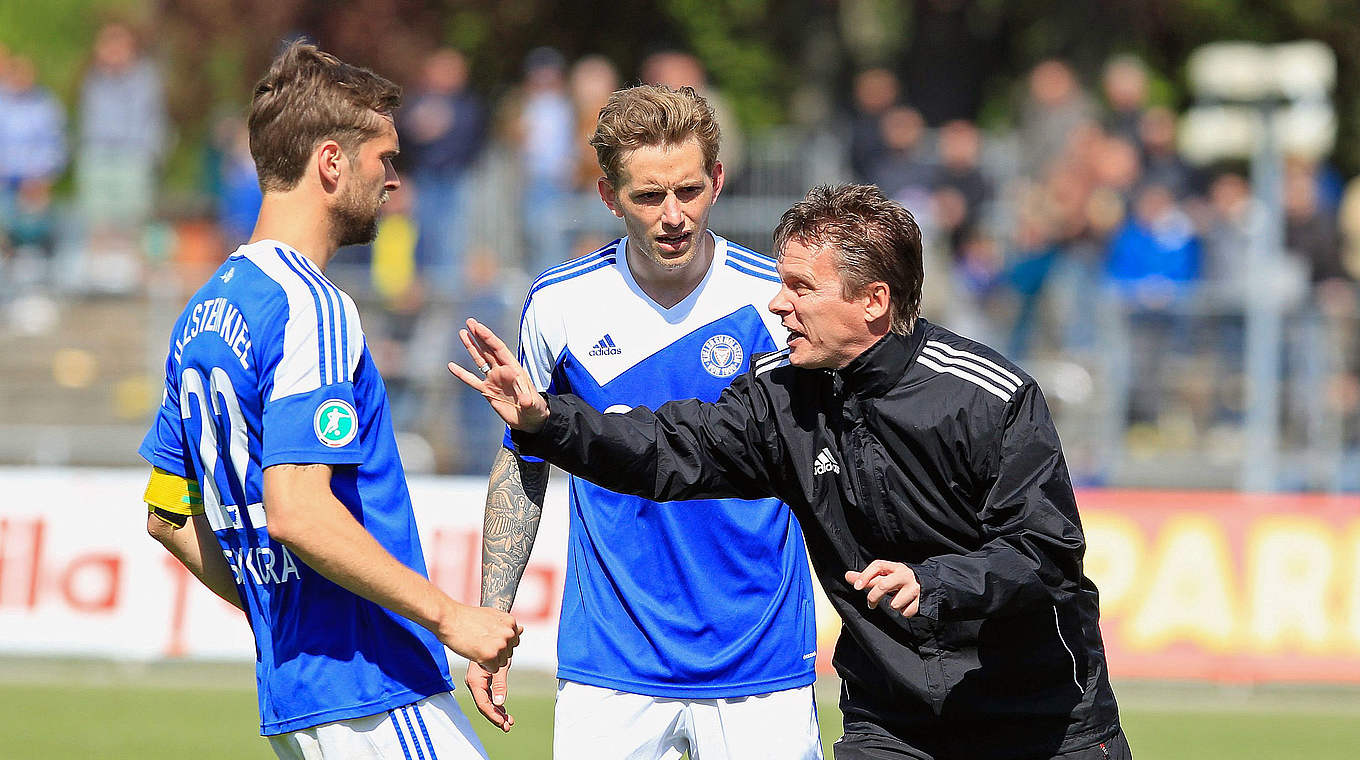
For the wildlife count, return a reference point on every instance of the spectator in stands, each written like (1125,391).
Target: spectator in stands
(677,69)
(1311,232)
(547,144)
(1125,83)
(238,187)
(1154,258)
(903,170)
(1153,267)
(875,91)
(443,129)
(593,79)
(1227,238)
(32,156)
(123,134)
(1056,106)
(959,187)
(1162,164)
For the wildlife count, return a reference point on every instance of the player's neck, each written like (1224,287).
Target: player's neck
(668,287)
(305,227)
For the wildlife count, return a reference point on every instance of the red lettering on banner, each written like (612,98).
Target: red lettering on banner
(104,570)
(21,539)
(549,591)
(455,563)
(180,578)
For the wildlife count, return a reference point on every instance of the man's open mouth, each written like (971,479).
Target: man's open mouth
(673,241)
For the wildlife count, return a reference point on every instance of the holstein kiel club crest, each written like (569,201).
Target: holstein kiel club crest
(721,356)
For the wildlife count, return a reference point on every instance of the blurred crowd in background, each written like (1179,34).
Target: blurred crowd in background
(1076,238)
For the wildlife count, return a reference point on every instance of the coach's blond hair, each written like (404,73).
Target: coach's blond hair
(309,96)
(653,114)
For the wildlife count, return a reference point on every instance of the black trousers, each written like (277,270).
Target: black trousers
(877,745)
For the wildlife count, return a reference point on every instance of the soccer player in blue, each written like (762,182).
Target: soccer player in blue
(684,627)
(274,412)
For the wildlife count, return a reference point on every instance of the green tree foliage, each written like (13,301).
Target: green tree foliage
(756,51)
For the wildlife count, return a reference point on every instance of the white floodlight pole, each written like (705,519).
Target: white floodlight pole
(1264,317)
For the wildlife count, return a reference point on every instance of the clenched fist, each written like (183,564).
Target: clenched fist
(484,635)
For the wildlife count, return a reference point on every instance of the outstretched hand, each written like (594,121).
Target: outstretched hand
(506,386)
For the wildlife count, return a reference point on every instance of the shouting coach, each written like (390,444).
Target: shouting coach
(927,475)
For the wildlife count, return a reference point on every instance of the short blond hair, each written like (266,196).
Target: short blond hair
(653,114)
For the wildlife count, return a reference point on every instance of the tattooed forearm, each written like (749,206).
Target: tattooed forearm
(514,504)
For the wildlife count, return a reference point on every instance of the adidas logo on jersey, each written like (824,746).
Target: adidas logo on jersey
(825,463)
(605,347)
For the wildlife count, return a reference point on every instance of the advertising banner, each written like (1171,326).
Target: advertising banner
(1216,586)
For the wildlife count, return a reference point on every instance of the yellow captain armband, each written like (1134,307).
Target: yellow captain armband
(172,498)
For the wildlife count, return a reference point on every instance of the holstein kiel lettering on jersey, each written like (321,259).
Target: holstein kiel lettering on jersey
(825,463)
(605,347)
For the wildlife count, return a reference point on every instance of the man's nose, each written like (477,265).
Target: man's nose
(671,211)
(780,304)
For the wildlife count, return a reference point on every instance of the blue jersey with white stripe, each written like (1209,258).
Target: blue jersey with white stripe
(695,599)
(268,366)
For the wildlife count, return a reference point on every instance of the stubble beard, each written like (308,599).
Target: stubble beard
(356,222)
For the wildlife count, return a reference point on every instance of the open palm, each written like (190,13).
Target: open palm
(505,385)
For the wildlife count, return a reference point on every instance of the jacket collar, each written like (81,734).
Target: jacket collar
(881,366)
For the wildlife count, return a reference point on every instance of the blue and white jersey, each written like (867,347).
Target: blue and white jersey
(268,365)
(697,599)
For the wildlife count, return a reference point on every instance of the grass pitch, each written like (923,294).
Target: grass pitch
(54,710)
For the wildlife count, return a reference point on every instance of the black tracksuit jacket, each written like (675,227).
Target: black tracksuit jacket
(928,449)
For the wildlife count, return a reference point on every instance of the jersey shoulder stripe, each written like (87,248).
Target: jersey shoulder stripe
(975,357)
(766,362)
(585,265)
(338,331)
(308,340)
(748,256)
(963,374)
(750,270)
(351,335)
(972,363)
(566,267)
(324,347)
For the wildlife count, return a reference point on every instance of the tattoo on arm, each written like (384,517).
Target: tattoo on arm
(514,504)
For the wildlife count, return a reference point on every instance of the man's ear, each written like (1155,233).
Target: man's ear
(877,301)
(330,160)
(609,195)
(718,179)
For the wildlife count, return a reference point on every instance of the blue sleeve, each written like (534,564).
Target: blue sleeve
(163,445)
(309,414)
(321,426)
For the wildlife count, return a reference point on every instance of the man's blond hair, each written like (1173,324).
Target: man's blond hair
(653,114)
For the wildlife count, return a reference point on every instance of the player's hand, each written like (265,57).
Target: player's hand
(881,578)
(488,693)
(483,635)
(506,386)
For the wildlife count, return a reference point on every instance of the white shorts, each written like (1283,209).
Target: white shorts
(433,728)
(604,724)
